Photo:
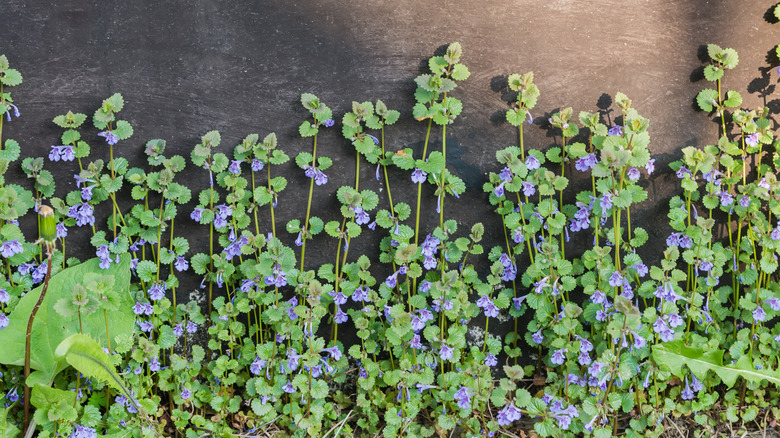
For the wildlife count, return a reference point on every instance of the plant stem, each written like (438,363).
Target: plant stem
(387,181)
(419,187)
(308,205)
(28,338)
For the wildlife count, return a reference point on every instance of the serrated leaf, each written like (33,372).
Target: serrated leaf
(11,77)
(712,73)
(706,99)
(733,99)
(307,129)
(123,130)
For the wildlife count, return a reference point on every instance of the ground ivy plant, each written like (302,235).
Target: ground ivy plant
(601,341)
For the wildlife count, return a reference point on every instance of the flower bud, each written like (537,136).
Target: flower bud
(47,228)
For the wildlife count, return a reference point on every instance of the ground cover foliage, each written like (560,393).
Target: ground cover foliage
(621,347)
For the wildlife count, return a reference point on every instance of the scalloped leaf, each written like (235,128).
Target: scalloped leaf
(707,99)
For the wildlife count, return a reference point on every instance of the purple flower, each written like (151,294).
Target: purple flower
(532,163)
(320,178)
(62,231)
(639,341)
(666,333)
(3,321)
(328,123)
(145,326)
(5,297)
(759,314)
(291,310)
(178,330)
(361,217)
(615,130)
(491,360)
(499,190)
(12,395)
(508,415)
(463,397)
(235,167)
(257,366)
(615,279)
(775,234)
(505,174)
(558,357)
(605,203)
(674,320)
(10,248)
(682,171)
(650,166)
(110,137)
(185,394)
(257,165)
(197,214)
(64,153)
(744,201)
(80,431)
(752,139)
(773,302)
(181,264)
(686,393)
(633,173)
(83,213)
(418,176)
(726,198)
(289,388)
(334,352)
(696,384)
(586,163)
(360,294)
(156,291)
(392,280)
(191,327)
(8,111)
(154,365)
(528,188)
(138,308)
(446,352)
(340,316)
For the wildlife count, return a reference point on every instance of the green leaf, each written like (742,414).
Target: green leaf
(167,339)
(123,130)
(319,390)
(404,159)
(675,354)
(706,99)
(733,99)
(307,129)
(7,427)
(516,117)
(87,356)
(460,72)
(11,77)
(49,328)
(116,102)
(713,50)
(712,73)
